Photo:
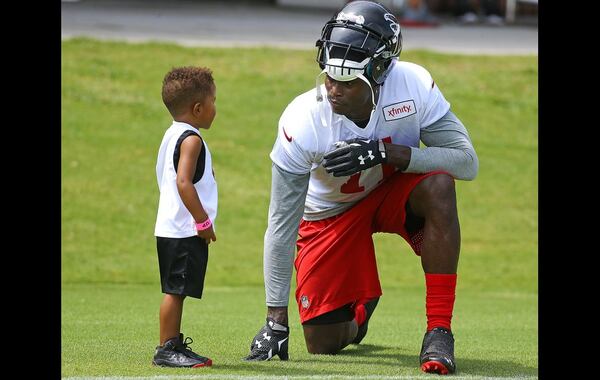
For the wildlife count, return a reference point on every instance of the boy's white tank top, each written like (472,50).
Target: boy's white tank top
(173,219)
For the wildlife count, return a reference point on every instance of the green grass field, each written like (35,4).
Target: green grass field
(112,123)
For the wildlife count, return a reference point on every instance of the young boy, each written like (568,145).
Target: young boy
(187,207)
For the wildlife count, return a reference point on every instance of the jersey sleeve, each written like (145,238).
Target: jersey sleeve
(432,102)
(288,194)
(448,147)
(296,145)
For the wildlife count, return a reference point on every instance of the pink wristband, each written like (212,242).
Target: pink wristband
(204,225)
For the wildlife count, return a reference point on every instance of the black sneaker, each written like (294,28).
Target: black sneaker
(268,343)
(437,351)
(362,329)
(175,353)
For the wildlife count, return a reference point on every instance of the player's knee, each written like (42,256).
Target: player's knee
(439,184)
(327,339)
(434,196)
(323,348)
(438,190)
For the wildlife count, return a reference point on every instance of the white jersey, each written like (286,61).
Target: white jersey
(173,219)
(408,101)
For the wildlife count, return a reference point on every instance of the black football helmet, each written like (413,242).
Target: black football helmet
(362,38)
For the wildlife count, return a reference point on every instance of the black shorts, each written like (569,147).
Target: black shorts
(182,263)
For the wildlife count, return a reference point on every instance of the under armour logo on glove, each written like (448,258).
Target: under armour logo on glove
(351,156)
(271,340)
(266,337)
(362,159)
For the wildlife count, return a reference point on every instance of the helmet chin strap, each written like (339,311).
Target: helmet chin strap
(364,79)
(318,81)
(358,75)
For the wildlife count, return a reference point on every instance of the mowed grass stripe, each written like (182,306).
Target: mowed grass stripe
(192,377)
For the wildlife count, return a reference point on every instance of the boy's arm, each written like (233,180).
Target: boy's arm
(189,152)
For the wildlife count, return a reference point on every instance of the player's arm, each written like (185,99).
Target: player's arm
(447,147)
(189,152)
(288,193)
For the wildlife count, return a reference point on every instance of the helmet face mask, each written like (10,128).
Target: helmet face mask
(362,38)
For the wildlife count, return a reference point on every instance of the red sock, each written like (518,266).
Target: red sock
(360,314)
(440,299)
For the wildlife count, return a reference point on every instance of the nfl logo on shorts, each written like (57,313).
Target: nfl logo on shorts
(304,301)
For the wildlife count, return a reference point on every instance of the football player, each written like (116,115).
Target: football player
(348,163)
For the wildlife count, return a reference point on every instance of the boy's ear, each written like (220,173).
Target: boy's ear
(197,108)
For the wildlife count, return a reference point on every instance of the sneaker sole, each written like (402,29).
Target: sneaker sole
(434,367)
(207,363)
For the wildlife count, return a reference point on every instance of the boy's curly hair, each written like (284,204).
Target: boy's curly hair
(184,86)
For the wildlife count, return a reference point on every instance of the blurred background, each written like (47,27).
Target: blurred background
(454,26)
(427,12)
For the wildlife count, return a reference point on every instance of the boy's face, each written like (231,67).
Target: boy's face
(206,112)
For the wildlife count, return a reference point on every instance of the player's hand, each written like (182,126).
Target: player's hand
(208,235)
(351,156)
(268,343)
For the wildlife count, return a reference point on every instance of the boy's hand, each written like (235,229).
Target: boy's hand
(208,235)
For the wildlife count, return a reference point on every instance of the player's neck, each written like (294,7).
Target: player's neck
(361,123)
(361,119)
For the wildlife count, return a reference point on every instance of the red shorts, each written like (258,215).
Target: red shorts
(336,257)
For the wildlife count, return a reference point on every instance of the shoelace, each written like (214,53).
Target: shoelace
(186,342)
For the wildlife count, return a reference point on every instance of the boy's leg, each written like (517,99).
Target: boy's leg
(171,310)
(176,258)
(173,350)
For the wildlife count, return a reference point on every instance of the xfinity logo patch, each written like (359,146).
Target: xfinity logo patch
(399,110)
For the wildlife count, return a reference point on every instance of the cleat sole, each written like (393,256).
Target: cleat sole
(434,367)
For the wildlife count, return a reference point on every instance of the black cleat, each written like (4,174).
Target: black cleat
(437,351)
(175,353)
(362,329)
(268,343)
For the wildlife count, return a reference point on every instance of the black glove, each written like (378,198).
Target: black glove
(269,342)
(352,156)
